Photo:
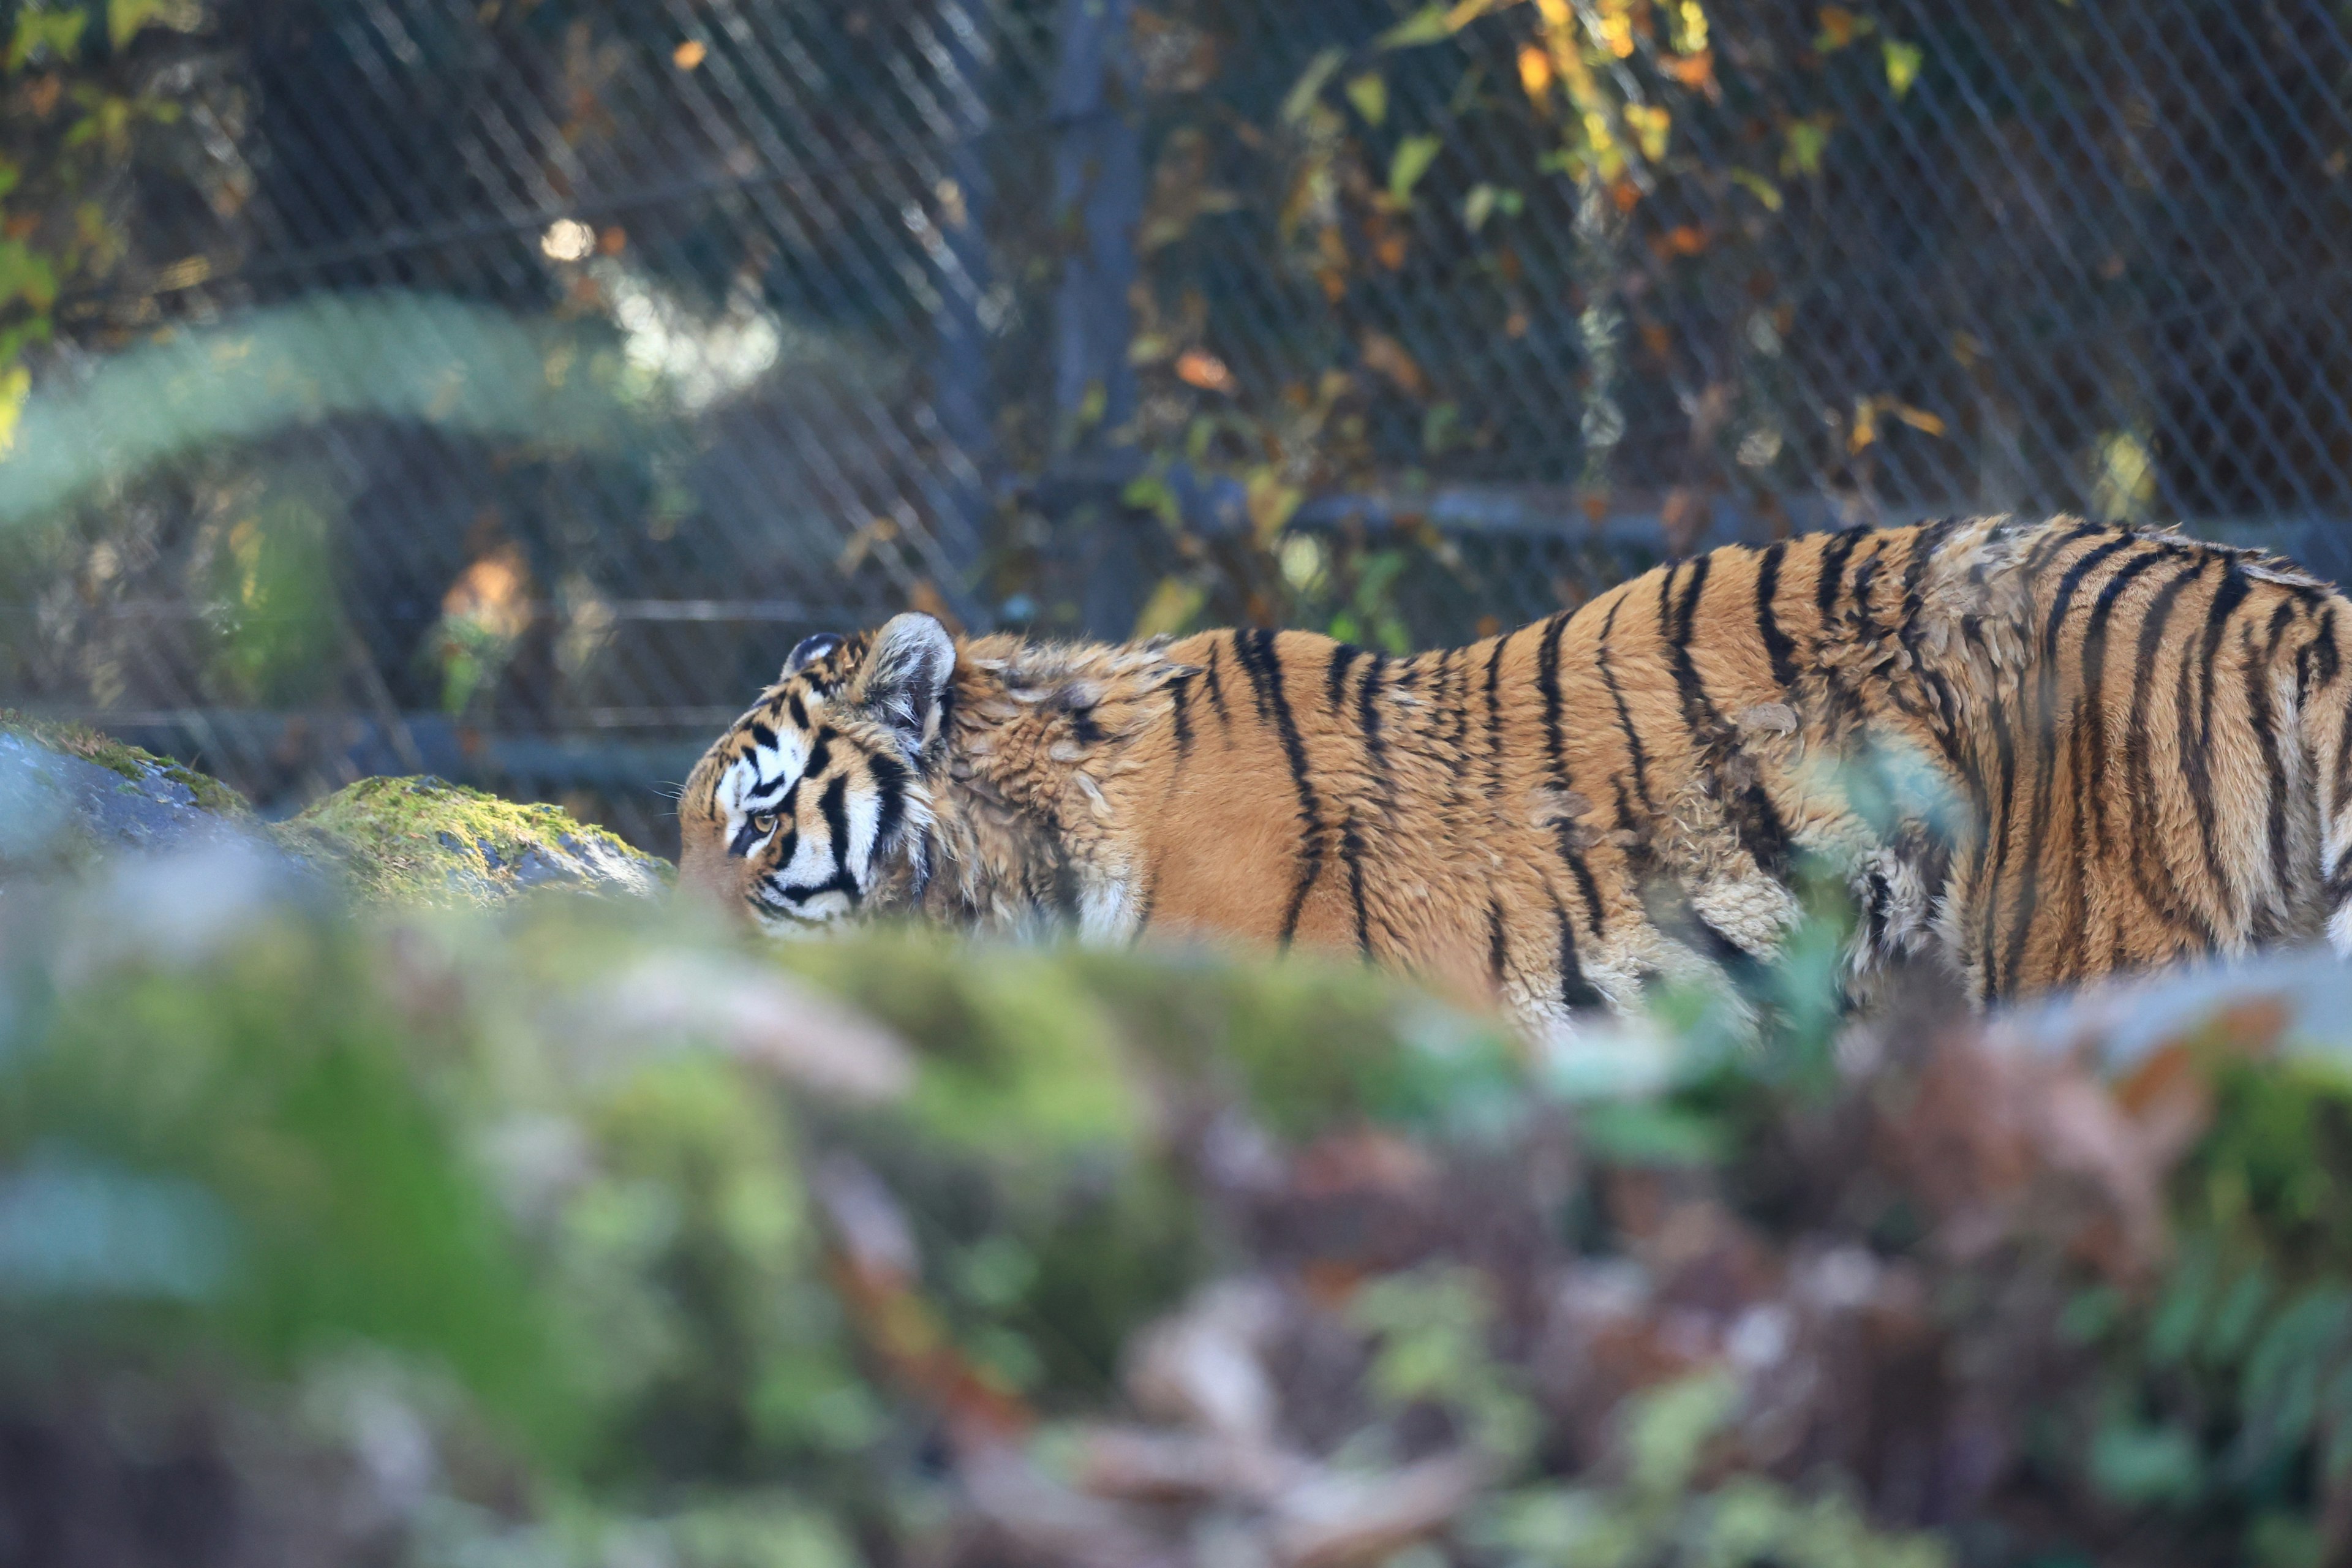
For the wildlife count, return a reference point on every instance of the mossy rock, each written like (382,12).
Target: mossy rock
(427,840)
(68,792)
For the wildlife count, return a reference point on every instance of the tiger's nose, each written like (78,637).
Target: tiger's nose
(703,879)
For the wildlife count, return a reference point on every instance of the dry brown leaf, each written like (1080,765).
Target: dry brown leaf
(1389,359)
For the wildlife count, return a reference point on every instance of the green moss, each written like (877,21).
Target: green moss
(132,762)
(426,839)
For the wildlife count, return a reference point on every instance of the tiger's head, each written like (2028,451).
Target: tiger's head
(816,805)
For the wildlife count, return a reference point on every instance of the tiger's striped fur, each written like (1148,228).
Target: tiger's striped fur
(2041,752)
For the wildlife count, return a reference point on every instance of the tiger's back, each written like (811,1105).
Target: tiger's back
(2042,751)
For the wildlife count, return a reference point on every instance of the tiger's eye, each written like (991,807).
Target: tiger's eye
(764,823)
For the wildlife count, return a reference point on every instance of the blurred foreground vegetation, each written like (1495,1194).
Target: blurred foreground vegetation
(568,1233)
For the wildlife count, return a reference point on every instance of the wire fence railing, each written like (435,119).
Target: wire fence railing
(497,389)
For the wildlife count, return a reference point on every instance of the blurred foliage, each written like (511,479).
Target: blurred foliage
(566,1232)
(1570,177)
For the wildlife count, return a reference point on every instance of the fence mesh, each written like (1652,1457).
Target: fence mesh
(499,389)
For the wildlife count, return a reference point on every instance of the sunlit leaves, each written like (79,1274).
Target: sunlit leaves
(1839,27)
(1806,139)
(1426,26)
(46,36)
(1869,412)
(1485,201)
(1757,186)
(1410,161)
(1300,101)
(1535,72)
(1650,124)
(1370,94)
(1903,62)
(126,19)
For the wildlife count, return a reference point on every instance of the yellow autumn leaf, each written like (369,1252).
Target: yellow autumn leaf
(1903,61)
(1172,608)
(1271,502)
(1917,418)
(1649,125)
(16,386)
(1535,71)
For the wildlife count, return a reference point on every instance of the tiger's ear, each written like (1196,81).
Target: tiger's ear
(905,676)
(807,651)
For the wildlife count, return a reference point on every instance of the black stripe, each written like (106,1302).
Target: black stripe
(2258,700)
(2326,658)
(2048,549)
(1351,855)
(1498,954)
(1924,546)
(1575,990)
(1254,651)
(1376,758)
(1865,578)
(1547,682)
(1451,696)
(1495,722)
(890,793)
(1180,690)
(1368,711)
(1247,643)
(1749,811)
(2195,742)
(762,737)
(2343,759)
(1217,686)
(2150,865)
(1832,583)
(1082,728)
(1779,646)
(1640,754)
(2067,586)
(2046,738)
(1335,675)
(1997,830)
(2092,781)
(834,806)
(793,706)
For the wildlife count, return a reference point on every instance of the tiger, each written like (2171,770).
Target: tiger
(2035,752)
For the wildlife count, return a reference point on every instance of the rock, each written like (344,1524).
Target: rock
(69,796)
(426,839)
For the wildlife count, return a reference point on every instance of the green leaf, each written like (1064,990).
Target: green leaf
(1807,139)
(126,19)
(1369,94)
(26,274)
(1317,75)
(1426,26)
(53,33)
(1414,155)
(1902,64)
(1757,186)
(2137,1465)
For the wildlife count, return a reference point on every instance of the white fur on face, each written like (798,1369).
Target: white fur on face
(759,779)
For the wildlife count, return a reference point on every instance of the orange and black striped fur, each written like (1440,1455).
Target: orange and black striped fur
(2040,751)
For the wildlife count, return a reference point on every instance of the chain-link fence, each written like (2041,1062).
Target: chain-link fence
(498,389)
